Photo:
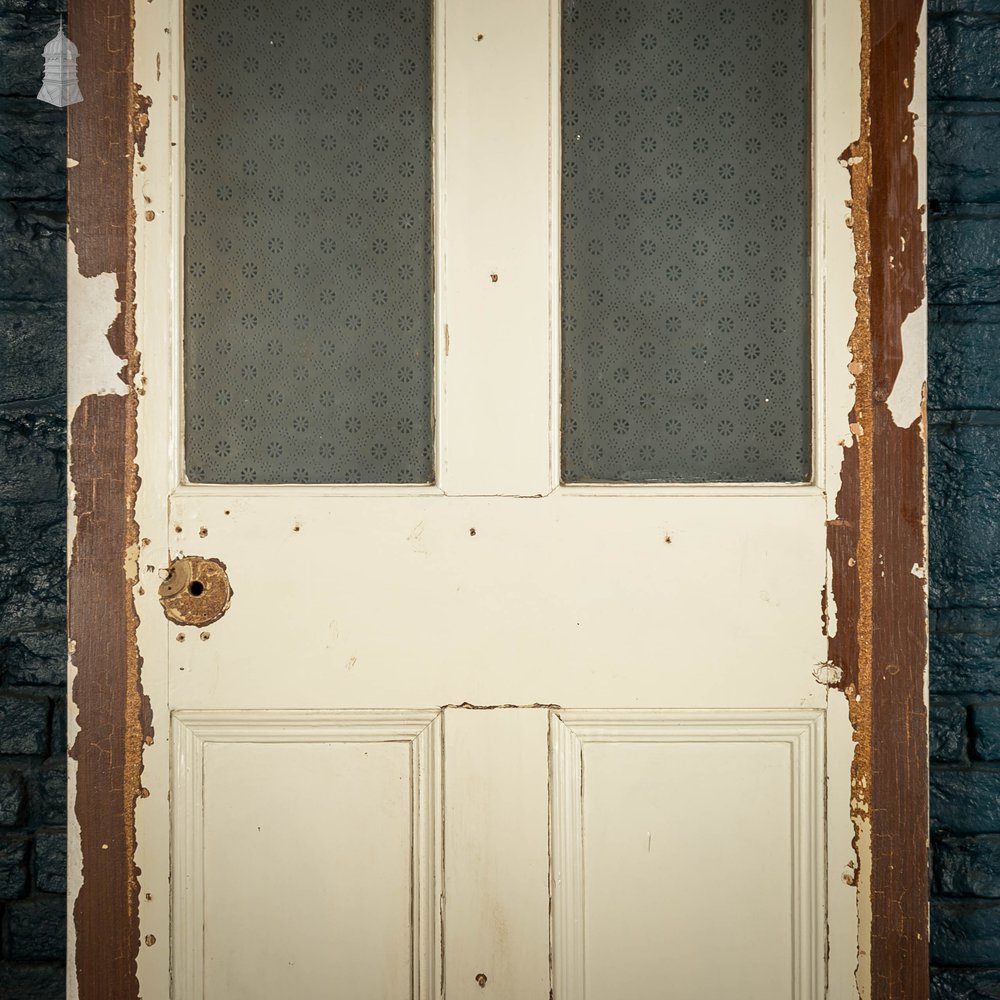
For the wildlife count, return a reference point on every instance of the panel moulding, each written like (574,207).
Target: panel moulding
(803,731)
(192,731)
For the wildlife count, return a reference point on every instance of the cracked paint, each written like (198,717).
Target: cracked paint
(877,536)
(110,717)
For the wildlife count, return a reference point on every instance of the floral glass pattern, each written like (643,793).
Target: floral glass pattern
(685,241)
(308,264)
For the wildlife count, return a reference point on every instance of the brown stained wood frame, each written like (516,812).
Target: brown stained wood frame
(104,134)
(881,641)
(878,535)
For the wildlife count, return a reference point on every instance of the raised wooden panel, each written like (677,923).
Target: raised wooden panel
(687,855)
(307,855)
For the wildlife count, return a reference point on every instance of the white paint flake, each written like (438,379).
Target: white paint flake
(905,400)
(92,307)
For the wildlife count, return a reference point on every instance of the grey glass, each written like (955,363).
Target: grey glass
(685,241)
(308,307)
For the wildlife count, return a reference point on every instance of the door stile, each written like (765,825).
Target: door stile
(877,539)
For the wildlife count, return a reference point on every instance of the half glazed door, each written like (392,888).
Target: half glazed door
(493,398)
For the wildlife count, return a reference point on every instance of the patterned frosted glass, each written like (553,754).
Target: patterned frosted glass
(308,284)
(685,241)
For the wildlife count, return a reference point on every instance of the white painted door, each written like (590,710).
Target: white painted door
(497,736)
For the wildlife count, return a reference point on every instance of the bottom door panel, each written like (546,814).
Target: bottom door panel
(511,853)
(306,855)
(687,855)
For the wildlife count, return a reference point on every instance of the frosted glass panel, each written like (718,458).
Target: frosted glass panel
(308,284)
(685,241)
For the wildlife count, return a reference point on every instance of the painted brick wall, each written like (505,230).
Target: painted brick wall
(964,179)
(964,401)
(32,532)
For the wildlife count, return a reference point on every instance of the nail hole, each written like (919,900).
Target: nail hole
(205,636)
(481,979)
(479,38)
(178,528)
(180,636)
(472,532)
(203,532)
(196,588)
(494,277)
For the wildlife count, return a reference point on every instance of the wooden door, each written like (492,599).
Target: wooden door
(538,726)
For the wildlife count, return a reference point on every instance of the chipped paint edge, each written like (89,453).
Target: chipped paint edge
(872,524)
(109,721)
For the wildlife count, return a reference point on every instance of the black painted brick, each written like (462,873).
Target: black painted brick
(30,449)
(37,981)
(964,527)
(14,880)
(24,724)
(32,150)
(963,151)
(50,860)
(33,352)
(963,50)
(967,866)
(965,933)
(24,30)
(965,800)
(33,265)
(985,719)
(965,651)
(962,372)
(964,259)
(28,661)
(36,928)
(47,793)
(949,736)
(13,798)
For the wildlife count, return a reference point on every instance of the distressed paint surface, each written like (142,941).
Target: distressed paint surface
(878,534)
(196,591)
(113,720)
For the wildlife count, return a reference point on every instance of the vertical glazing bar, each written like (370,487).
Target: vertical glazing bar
(495,403)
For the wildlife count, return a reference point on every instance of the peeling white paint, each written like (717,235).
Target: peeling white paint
(831,599)
(92,308)
(919,572)
(905,400)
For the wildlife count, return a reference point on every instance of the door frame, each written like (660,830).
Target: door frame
(877,546)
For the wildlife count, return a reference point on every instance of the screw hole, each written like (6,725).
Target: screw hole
(481,979)
(196,588)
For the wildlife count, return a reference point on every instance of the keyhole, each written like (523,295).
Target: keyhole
(481,979)
(196,588)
